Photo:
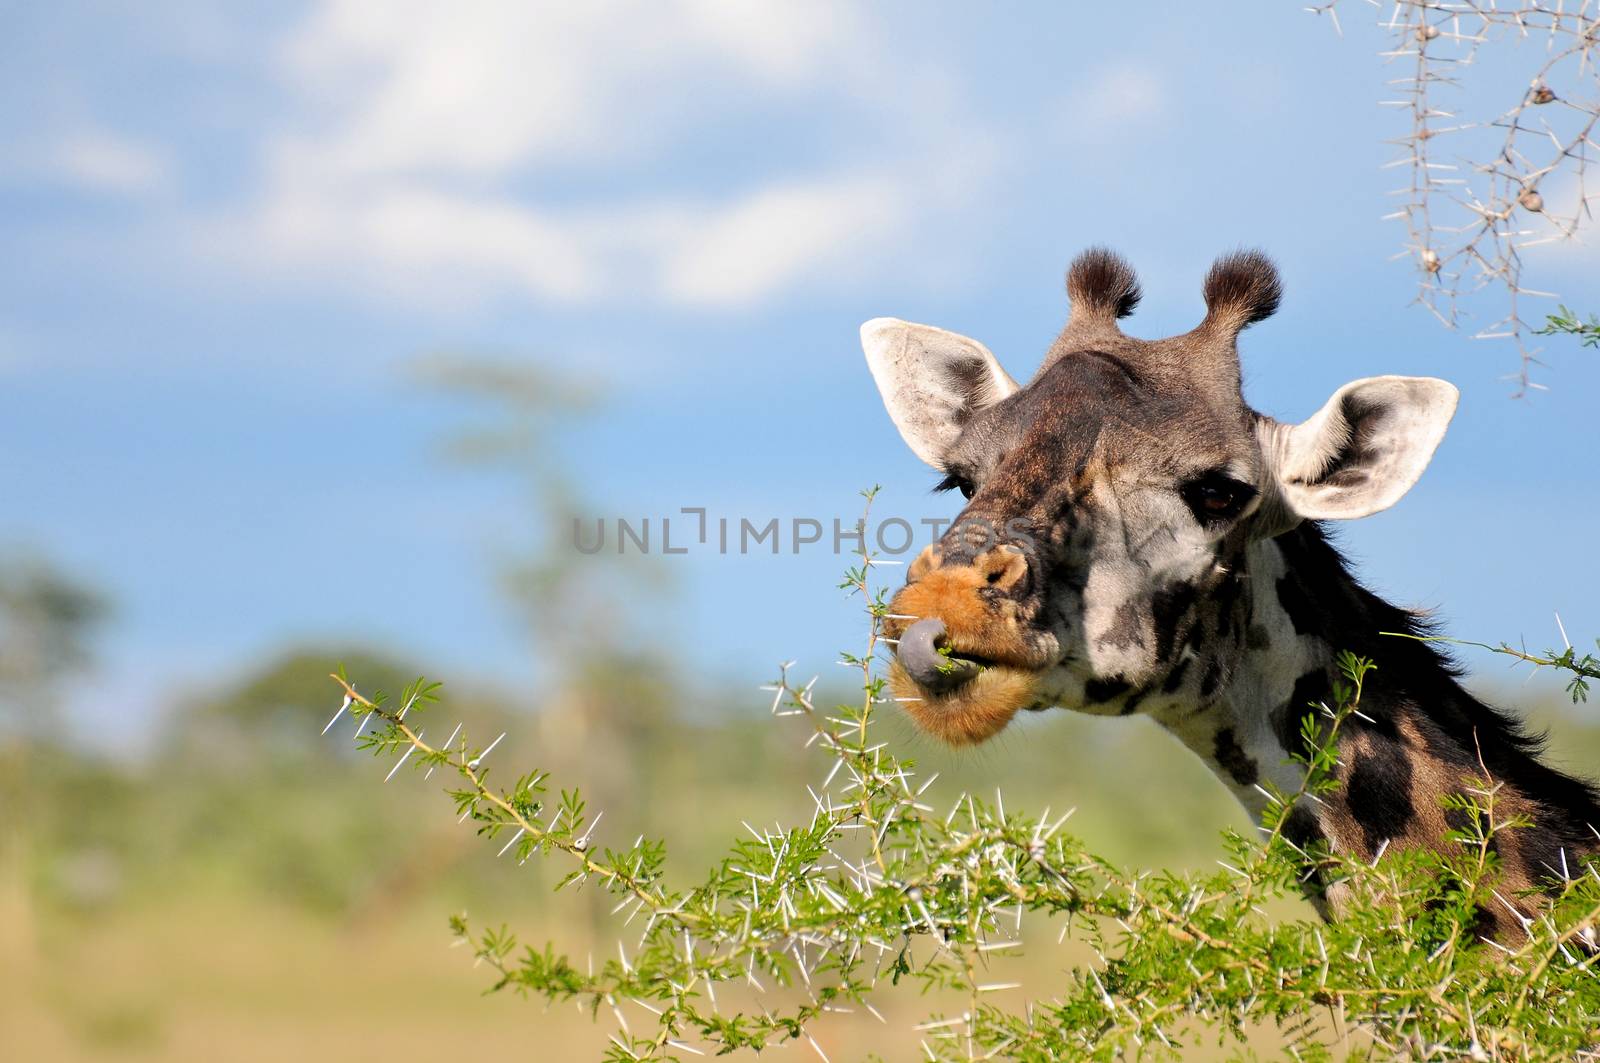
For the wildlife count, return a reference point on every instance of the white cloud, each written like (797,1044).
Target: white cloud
(487,89)
(412,241)
(421,128)
(106,162)
(1114,97)
(753,247)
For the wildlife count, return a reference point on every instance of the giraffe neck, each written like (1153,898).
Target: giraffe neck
(1420,736)
(1251,662)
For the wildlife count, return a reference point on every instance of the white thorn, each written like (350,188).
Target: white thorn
(514,839)
(446,745)
(479,758)
(403,758)
(343,705)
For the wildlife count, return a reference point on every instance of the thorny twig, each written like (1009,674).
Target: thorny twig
(1483,190)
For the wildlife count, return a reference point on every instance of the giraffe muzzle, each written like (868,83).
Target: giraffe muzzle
(937,672)
(964,663)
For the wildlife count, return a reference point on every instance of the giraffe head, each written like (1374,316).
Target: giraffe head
(1111,499)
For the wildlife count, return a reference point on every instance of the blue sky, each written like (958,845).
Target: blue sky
(229,232)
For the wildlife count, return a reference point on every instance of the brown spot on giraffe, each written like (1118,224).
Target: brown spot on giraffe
(1231,758)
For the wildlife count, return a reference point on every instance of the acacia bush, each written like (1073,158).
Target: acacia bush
(887,887)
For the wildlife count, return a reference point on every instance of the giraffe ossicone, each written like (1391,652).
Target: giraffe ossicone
(1138,539)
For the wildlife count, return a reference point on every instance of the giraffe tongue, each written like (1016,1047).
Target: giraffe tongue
(919,655)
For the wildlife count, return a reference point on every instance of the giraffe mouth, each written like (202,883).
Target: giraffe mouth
(960,697)
(926,654)
(968,657)
(974,711)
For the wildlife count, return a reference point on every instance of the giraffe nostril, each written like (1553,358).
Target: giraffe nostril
(1005,567)
(919,655)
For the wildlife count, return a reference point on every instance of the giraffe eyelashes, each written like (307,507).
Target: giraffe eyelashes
(1216,497)
(954,481)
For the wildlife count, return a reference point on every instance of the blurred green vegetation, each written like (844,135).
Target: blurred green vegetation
(237,893)
(245,855)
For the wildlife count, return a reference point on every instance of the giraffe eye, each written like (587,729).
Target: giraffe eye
(1216,497)
(955,482)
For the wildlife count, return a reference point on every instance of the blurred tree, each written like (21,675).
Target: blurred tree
(274,714)
(242,793)
(601,700)
(47,619)
(526,417)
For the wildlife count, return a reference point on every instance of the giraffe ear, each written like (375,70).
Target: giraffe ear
(932,381)
(1363,450)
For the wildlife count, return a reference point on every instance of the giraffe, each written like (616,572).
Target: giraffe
(1137,539)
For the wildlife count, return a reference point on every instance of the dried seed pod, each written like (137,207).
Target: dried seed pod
(1531,200)
(1430,260)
